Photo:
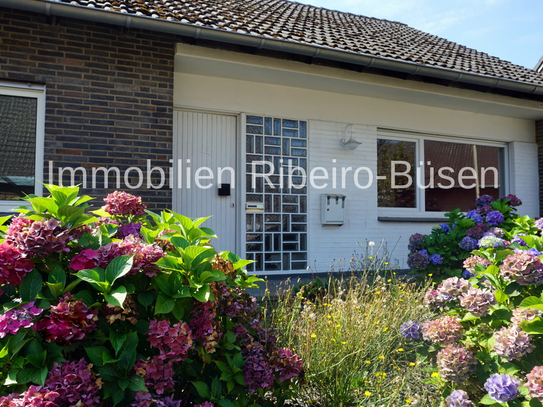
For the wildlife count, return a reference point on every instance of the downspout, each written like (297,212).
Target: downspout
(55,8)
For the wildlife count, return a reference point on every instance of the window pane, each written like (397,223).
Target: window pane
(17,146)
(480,166)
(397,195)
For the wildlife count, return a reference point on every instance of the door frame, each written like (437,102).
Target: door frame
(238,165)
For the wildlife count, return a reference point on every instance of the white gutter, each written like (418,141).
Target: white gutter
(56,8)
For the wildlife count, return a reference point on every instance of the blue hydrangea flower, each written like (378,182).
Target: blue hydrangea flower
(494,218)
(518,239)
(459,398)
(436,259)
(417,261)
(489,241)
(467,274)
(468,243)
(484,200)
(475,217)
(411,330)
(502,387)
(424,252)
(534,251)
(445,227)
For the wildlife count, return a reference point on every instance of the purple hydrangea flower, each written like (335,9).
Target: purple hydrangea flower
(490,241)
(484,200)
(513,200)
(452,288)
(424,252)
(444,227)
(417,261)
(415,242)
(443,330)
(478,301)
(15,319)
(129,229)
(484,210)
(436,259)
(512,343)
(468,243)
(411,330)
(539,223)
(523,267)
(478,231)
(496,231)
(502,387)
(518,239)
(494,218)
(459,398)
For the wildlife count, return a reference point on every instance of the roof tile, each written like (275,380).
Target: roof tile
(325,28)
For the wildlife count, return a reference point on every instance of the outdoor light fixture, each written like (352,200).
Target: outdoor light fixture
(350,144)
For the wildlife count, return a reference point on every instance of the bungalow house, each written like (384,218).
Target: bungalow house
(301,130)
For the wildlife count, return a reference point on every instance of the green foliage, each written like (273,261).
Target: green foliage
(124,292)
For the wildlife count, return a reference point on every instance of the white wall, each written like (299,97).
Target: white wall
(328,113)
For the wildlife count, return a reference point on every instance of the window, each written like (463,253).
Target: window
(22,112)
(425,174)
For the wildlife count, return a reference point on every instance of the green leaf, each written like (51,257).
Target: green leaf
(118,267)
(164,304)
(178,311)
(95,354)
(531,302)
(209,232)
(203,389)
(225,403)
(524,391)
(533,327)
(211,276)
(164,284)
(117,296)
(198,221)
(44,204)
(146,298)
(117,340)
(487,400)
(238,360)
(216,387)
(128,355)
(501,297)
(180,242)
(69,213)
(55,289)
(137,383)
(169,263)
(86,296)
(58,275)
(91,275)
(30,286)
(202,294)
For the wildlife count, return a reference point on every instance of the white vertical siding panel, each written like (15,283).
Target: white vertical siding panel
(525,178)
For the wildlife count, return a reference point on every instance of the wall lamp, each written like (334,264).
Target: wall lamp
(350,144)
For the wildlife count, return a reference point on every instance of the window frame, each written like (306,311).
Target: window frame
(419,212)
(37,92)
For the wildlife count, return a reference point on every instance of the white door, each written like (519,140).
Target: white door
(204,155)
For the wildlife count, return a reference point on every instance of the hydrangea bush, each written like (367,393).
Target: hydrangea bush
(493,224)
(131,308)
(486,339)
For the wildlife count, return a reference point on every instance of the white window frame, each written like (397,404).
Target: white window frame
(418,138)
(37,92)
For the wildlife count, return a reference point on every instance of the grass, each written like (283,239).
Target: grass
(347,333)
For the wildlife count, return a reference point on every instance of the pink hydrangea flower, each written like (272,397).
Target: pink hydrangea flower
(535,382)
(173,342)
(87,259)
(15,319)
(122,203)
(13,266)
(451,289)
(203,326)
(157,373)
(75,383)
(444,330)
(472,261)
(68,321)
(523,267)
(512,343)
(478,301)
(39,238)
(34,396)
(524,315)
(287,364)
(455,363)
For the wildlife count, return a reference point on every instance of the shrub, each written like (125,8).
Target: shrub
(114,309)
(440,254)
(486,340)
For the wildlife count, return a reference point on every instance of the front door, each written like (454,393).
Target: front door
(204,156)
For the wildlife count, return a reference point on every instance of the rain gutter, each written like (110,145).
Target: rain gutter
(56,8)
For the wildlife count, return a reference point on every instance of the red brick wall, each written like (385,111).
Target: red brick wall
(109,93)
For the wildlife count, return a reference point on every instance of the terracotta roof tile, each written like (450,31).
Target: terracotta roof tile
(317,26)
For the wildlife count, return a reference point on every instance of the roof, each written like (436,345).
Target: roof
(320,27)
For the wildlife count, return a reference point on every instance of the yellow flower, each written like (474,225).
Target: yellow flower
(408,401)
(367,393)
(385,329)
(343,343)
(313,335)
(400,349)
(381,357)
(435,374)
(334,339)
(368,362)
(430,275)
(412,364)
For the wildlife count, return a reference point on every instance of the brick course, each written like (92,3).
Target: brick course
(109,94)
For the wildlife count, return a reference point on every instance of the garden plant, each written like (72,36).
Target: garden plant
(441,253)
(485,339)
(122,306)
